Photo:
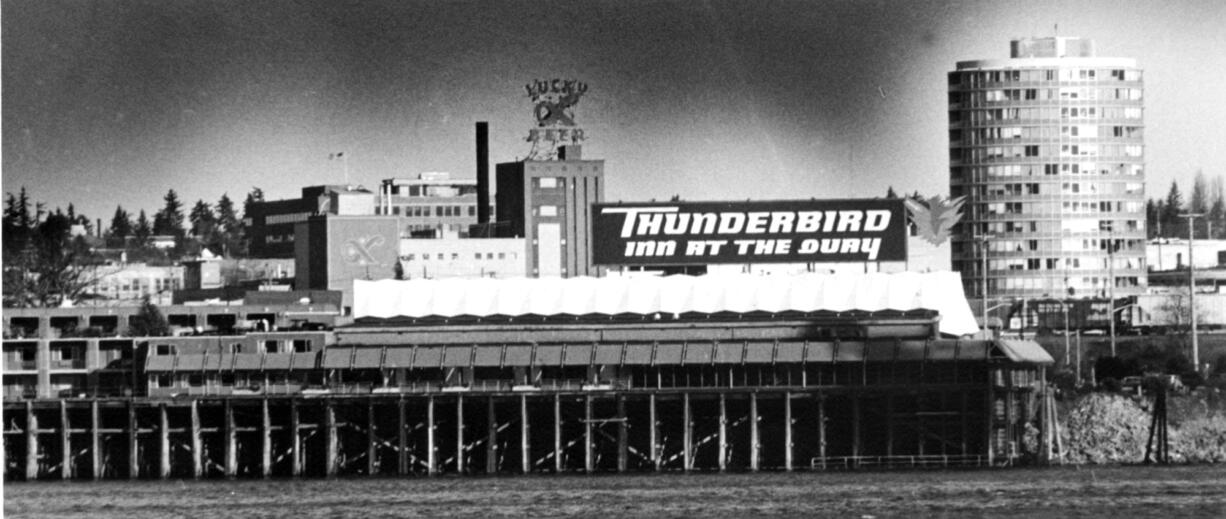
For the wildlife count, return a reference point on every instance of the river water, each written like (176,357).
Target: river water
(1123,492)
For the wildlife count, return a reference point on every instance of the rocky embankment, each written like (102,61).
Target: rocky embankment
(1114,428)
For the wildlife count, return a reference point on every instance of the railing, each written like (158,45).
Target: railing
(917,461)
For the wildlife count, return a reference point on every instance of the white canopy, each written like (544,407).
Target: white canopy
(940,291)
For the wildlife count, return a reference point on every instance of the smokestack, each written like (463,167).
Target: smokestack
(483,172)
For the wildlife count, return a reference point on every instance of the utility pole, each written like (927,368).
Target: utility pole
(983,274)
(1111,290)
(1192,288)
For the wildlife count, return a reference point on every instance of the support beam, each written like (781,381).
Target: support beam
(331,441)
(402,439)
(588,459)
(31,442)
(431,449)
(491,439)
(197,444)
(755,442)
(133,447)
(655,432)
(95,442)
(163,442)
(990,418)
(723,432)
(787,431)
(557,433)
(372,446)
(821,428)
(525,447)
(623,435)
(265,439)
(66,463)
(459,434)
(231,441)
(687,433)
(295,440)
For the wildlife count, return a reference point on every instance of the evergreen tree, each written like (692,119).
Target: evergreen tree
(256,195)
(229,225)
(169,221)
(1172,208)
(142,231)
(121,223)
(1199,200)
(1152,212)
(149,321)
(202,219)
(1217,210)
(889,192)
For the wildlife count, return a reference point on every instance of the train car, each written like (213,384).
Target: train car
(1157,313)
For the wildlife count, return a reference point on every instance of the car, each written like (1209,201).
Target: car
(1132,384)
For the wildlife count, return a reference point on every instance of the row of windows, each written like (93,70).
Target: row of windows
(983,78)
(1064,207)
(980,173)
(984,97)
(986,153)
(1008,246)
(1053,188)
(1044,113)
(433,191)
(455,256)
(426,211)
(143,286)
(1046,132)
(1036,264)
(266,346)
(286,218)
(1060,285)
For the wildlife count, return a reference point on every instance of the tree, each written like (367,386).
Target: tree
(1153,218)
(143,231)
(256,195)
(121,223)
(889,192)
(149,321)
(1217,210)
(202,219)
(1172,208)
(169,221)
(50,267)
(229,225)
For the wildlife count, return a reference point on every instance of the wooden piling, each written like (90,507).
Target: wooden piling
(855,429)
(95,442)
(525,446)
(491,439)
(755,443)
(588,460)
(372,445)
(163,442)
(231,441)
(655,432)
(622,434)
(723,433)
(295,439)
(31,442)
(66,462)
(402,439)
(459,434)
(197,443)
(133,447)
(265,439)
(431,450)
(821,428)
(557,433)
(687,433)
(787,431)
(331,440)
(889,425)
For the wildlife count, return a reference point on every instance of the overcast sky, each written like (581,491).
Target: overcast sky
(115,102)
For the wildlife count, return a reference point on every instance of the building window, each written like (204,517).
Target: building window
(302,346)
(548,182)
(164,349)
(549,210)
(272,347)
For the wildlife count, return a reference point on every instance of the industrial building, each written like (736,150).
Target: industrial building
(1047,147)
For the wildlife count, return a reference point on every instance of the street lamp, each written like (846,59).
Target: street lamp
(1064,306)
(1192,287)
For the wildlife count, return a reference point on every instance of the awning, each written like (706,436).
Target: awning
(880,351)
(577,355)
(1024,351)
(973,350)
(608,355)
(911,351)
(188,362)
(669,353)
(729,352)
(790,352)
(428,357)
(337,357)
(398,357)
(548,355)
(518,355)
(304,360)
(277,361)
(368,358)
(638,354)
(849,352)
(248,361)
(457,356)
(698,353)
(161,363)
(488,356)
(819,352)
(759,352)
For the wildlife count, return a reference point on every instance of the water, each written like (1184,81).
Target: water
(1124,492)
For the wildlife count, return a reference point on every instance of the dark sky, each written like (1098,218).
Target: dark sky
(116,101)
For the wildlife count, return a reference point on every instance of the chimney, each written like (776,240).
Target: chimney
(483,172)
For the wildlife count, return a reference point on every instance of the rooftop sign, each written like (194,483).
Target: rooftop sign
(785,231)
(553,108)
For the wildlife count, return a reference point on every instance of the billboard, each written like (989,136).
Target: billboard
(781,231)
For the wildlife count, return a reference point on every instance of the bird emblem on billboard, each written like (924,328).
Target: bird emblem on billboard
(934,218)
(359,251)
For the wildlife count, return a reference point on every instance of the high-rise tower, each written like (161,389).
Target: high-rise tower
(1047,147)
